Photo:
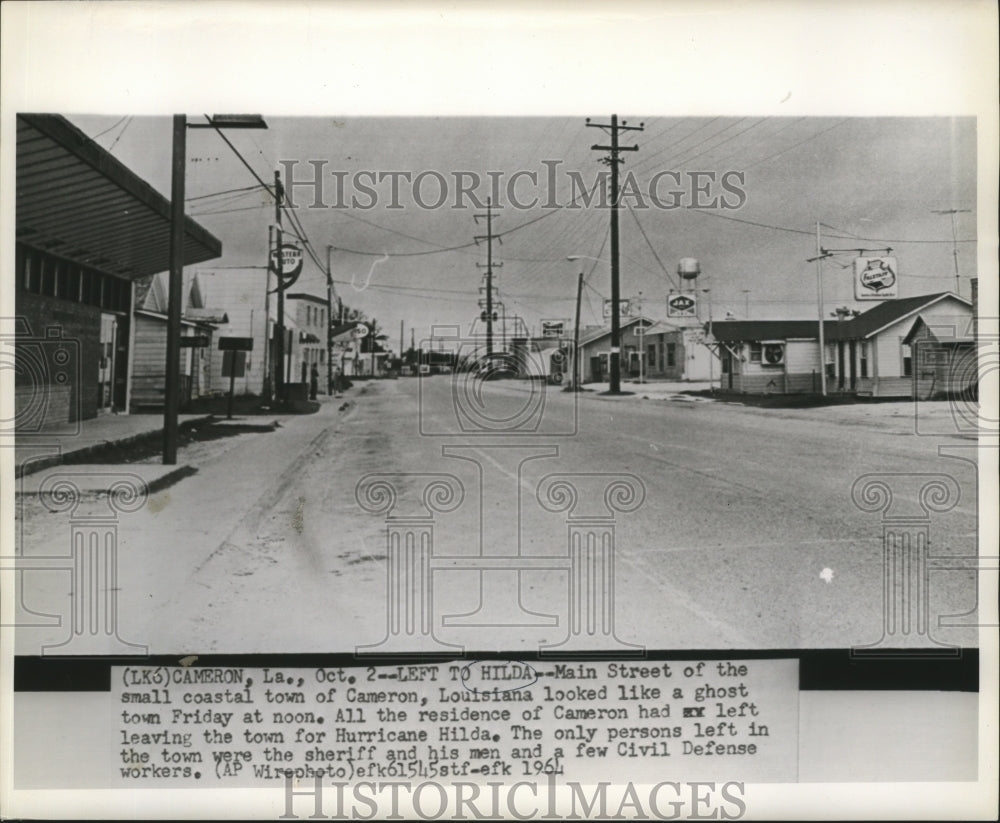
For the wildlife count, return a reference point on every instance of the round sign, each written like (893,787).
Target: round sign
(289,266)
(360,331)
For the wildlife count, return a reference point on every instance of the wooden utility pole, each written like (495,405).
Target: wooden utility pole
(279,326)
(488,237)
(612,160)
(175,291)
(329,323)
(576,335)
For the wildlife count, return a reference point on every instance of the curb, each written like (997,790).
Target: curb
(159,484)
(51,460)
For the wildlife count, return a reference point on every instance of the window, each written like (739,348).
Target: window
(671,354)
(864,358)
(756,350)
(907,359)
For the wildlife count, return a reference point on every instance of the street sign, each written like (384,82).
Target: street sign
(360,330)
(234,364)
(290,263)
(681,305)
(198,341)
(624,308)
(553,328)
(875,278)
(235,344)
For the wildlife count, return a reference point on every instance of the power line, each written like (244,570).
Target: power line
(220,193)
(119,137)
(645,237)
(110,128)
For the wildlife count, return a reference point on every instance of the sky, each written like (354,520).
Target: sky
(871,183)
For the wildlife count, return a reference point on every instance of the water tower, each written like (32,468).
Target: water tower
(688,268)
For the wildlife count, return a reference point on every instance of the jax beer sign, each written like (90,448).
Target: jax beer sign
(681,305)
(875,278)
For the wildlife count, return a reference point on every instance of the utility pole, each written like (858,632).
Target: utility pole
(746,304)
(279,326)
(640,329)
(819,300)
(175,291)
(329,323)
(488,237)
(613,160)
(576,335)
(954,242)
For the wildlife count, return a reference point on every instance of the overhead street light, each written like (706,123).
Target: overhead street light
(171,401)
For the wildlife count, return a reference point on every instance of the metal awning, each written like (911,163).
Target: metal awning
(75,200)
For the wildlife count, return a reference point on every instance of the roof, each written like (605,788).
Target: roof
(955,328)
(344,328)
(864,325)
(605,331)
(738,330)
(892,311)
(76,200)
(216,316)
(301,295)
(662,327)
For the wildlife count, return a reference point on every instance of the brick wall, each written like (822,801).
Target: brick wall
(61,358)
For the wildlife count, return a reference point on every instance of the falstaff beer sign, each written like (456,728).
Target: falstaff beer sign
(875,278)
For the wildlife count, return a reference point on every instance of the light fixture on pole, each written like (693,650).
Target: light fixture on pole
(175,288)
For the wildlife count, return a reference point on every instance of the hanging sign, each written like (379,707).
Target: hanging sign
(875,278)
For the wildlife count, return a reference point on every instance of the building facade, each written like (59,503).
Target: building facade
(307,316)
(87,228)
(869,355)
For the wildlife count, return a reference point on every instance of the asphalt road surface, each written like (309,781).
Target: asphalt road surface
(735,528)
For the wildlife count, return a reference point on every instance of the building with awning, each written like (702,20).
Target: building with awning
(86,228)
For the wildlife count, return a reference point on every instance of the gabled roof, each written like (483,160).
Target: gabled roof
(605,331)
(889,312)
(863,326)
(956,328)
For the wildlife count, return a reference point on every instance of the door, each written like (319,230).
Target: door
(596,372)
(106,363)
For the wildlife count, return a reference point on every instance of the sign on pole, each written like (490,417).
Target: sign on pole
(681,304)
(875,278)
(288,264)
(553,328)
(234,364)
(624,308)
(198,341)
(235,344)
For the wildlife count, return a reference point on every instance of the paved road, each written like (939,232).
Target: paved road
(747,536)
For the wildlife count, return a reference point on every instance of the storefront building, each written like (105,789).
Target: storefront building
(86,228)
